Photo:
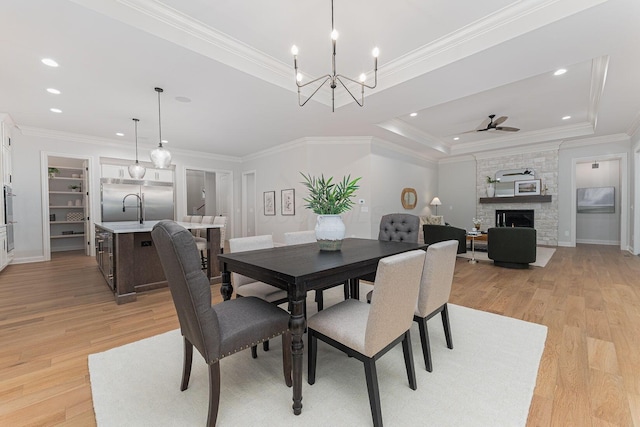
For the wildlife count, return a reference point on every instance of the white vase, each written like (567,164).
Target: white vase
(330,232)
(491,191)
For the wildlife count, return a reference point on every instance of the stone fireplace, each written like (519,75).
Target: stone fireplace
(515,218)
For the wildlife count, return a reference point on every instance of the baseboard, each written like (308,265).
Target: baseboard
(566,244)
(26,260)
(598,242)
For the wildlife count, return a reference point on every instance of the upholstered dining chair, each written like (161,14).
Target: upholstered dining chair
(368,331)
(435,289)
(221,220)
(201,240)
(248,287)
(216,331)
(399,227)
(309,236)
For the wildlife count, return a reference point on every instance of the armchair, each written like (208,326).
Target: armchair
(512,247)
(440,233)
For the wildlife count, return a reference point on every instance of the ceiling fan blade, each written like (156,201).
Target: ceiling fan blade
(484,124)
(500,120)
(507,129)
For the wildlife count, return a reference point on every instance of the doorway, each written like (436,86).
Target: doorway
(209,192)
(249,204)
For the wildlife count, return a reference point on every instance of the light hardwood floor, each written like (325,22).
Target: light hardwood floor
(54,314)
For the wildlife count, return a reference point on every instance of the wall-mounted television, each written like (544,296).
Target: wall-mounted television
(596,200)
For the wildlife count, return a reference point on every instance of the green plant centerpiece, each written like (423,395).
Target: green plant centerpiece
(74,187)
(329,199)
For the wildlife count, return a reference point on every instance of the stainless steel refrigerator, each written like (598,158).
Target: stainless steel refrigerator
(158,199)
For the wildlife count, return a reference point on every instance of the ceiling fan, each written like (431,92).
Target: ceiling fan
(490,124)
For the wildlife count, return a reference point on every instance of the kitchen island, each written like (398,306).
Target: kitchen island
(129,262)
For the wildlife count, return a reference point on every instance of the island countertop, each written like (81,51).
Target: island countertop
(135,227)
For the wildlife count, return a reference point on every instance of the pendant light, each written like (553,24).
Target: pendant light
(136,170)
(160,156)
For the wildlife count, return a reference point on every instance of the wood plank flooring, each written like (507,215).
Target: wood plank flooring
(54,314)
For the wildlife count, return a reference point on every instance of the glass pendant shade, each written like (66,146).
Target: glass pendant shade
(136,170)
(160,156)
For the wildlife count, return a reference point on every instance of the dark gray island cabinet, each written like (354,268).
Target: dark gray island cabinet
(128,260)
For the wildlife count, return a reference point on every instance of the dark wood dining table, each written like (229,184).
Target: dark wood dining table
(301,268)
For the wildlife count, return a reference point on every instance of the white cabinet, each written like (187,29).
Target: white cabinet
(115,171)
(4,257)
(6,154)
(67,207)
(122,172)
(161,175)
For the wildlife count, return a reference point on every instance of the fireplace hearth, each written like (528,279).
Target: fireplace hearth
(515,218)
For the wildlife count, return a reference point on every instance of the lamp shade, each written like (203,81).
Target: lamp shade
(161,157)
(136,170)
(435,202)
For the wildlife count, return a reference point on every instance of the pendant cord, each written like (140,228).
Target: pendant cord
(159,90)
(136,133)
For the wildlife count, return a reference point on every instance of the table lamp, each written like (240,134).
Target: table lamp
(436,202)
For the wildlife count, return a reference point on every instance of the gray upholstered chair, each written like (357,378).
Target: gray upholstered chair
(399,227)
(309,236)
(512,247)
(368,331)
(216,331)
(435,288)
(440,233)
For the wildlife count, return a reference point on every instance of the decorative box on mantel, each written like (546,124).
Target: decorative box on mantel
(517,199)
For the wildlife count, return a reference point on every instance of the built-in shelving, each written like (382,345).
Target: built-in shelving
(68,215)
(517,199)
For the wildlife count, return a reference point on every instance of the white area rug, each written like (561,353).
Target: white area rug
(486,380)
(543,255)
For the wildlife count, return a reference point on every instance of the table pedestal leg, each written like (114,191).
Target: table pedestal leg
(473,252)
(297,325)
(226,290)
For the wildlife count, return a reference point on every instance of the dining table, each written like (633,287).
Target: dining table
(301,268)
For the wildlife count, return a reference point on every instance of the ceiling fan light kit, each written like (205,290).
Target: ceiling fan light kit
(335,78)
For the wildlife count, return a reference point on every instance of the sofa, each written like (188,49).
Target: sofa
(439,233)
(512,247)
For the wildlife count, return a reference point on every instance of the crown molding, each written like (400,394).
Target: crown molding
(457,159)
(537,148)
(170,24)
(96,140)
(528,138)
(403,151)
(6,117)
(405,130)
(599,67)
(596,140)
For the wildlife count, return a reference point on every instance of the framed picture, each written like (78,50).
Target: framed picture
(529,187)
(596,200)
(269,202)
(288,200)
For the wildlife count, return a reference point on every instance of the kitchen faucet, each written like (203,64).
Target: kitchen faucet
(141,200)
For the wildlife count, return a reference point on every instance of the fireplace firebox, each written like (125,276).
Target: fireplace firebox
(514,218)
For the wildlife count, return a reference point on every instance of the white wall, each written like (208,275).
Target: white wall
(457,191)
(27,178)
(384,174)
(574,152)
(599,228)
(391,172)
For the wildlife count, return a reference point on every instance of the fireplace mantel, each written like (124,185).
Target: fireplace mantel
(517,199)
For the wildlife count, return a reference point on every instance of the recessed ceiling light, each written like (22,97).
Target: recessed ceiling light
(182,99)
(560,72)
(50,62)
(413,114)
(566,117)
(55,110)
(456,138)
(53,91)
(119,134)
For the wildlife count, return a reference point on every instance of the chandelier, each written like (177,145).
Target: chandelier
(160,156)
(335,78)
